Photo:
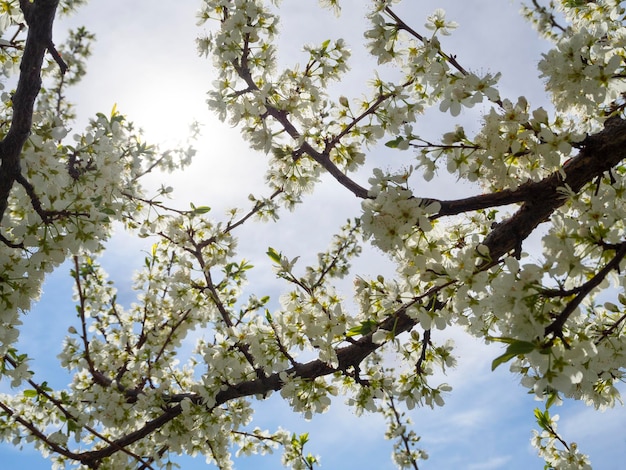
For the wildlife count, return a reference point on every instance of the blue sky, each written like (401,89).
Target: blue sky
(145,62)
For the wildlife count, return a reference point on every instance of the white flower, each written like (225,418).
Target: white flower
(437,22)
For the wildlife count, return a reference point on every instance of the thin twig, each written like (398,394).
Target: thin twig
(556,327)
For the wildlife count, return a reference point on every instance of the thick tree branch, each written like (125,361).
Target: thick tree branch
(600,152)
(40,17)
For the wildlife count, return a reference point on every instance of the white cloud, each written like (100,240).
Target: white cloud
(598,434)
(491,464)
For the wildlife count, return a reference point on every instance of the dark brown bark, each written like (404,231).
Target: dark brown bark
(39,16)
(600,152)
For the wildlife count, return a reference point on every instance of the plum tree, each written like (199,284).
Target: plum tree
(459,262)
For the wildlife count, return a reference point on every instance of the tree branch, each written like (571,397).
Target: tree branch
(600,152)
(551,18)
(403,26)
(40,17)
(61,450)
(556,327)
(281,116)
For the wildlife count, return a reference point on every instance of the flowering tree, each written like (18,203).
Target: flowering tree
(458,262)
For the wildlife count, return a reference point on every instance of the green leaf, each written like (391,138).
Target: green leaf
(274,255)
(502,339)
(543,419)
(395,142)
(72,426)
(200,210)
(299,441)
(552,398)
(30,393)
(364,328)
(576,3)
(244,265)
(514,349)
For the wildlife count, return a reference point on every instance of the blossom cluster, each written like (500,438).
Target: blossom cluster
(589,60)
(548,442)
(393,213)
